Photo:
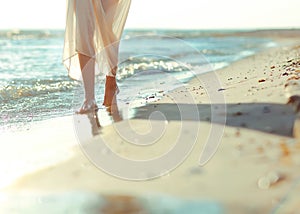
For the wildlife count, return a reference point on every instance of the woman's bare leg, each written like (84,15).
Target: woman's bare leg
(84,44)
(108,36)
(87,66)
(112,52)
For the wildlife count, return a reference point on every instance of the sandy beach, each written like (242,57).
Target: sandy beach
(255,168)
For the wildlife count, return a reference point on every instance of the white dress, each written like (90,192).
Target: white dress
(94,28)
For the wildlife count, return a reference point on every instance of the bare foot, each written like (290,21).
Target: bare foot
(87,107)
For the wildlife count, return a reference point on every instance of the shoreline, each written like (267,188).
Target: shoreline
(255,144)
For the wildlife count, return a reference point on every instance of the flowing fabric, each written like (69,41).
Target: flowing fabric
(94,28)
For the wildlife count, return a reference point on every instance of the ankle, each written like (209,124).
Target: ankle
(113,71)
(89,100)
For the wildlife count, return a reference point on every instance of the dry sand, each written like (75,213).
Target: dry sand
(254,170)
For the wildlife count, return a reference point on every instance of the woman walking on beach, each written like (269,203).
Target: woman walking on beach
(92,35)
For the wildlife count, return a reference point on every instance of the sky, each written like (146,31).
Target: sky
(172,14)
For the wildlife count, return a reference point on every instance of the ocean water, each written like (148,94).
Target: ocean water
(34,84)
